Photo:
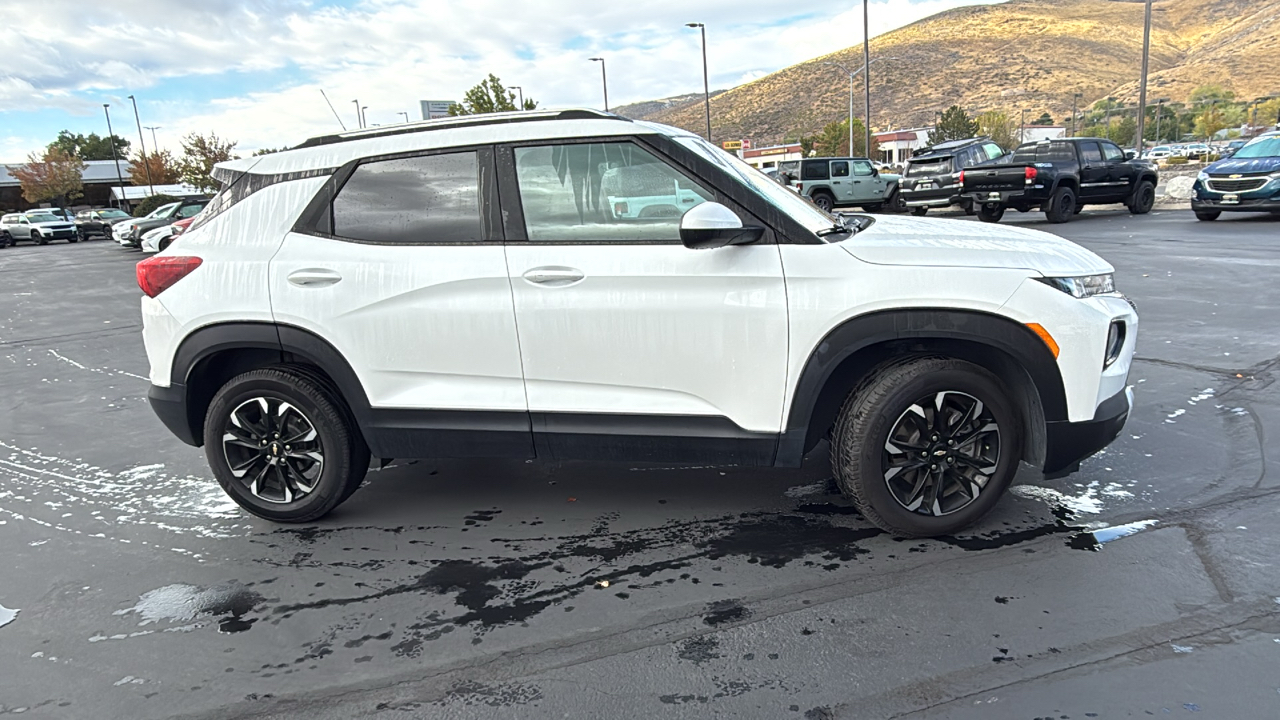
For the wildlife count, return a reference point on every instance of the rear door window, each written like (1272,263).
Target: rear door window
(814,171)
(426,199)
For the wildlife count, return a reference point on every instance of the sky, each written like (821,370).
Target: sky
(253,70)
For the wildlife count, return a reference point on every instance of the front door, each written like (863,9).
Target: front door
(409,284)
(634,346)
(1094,175)
(868,186)
(1120,173)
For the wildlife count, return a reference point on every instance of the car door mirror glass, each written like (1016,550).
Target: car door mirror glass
(712,225)
(1129,155)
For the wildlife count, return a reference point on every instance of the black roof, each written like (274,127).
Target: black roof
(463,121)
(949,146)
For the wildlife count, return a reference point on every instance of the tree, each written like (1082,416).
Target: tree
(1002,129)
(489,97)
(1044,119)
(955,124)
(90,147)
(1125,131)
(152,202)
(55,175)
(1210,121)
(833,141)
(163,167)
(199,154)
(267,151)
(1210,93)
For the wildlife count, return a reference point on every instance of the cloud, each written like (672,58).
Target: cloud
(253,69)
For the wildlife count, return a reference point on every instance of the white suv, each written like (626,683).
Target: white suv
(504,285)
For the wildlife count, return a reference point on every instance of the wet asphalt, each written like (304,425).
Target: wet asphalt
(494,589)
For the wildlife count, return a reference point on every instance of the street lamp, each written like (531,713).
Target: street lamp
(111,140)
(406,116)
(153,129)
(866,79)
(364,117)
(1074,98)
(1159,114)
(1142,87)
(706,83)
(142,143)
(359,121)
(852,75)
(520,90)
(604,81)
(1022,131)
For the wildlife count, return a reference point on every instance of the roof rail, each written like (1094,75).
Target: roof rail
(463,121)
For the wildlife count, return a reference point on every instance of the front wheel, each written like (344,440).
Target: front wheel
(1208,215)
(1144,198)
(990,213)
(40,239)
(968,207)
(73,239)
(926,446)
(920,211)
(282,446)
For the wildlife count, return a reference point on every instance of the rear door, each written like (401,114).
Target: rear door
(1095,177)
(633,345)
(841,184)
(405,277)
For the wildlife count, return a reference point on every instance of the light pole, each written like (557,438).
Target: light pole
(359,120)
(111,140)
(1159,114)
(706,83)
(406,116)
(1142,87)
(852,75)
(604,81)
(364,117)
(142,143)
(1022,130)
(1074,98)
(866,78)
(520,90)
(153,129)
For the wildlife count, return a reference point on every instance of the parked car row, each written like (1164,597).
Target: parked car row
(132,232)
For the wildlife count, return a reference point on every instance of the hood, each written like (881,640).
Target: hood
(959,243)
(52,223)
(1244,166)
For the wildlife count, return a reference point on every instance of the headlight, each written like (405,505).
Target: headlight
(1203,176)
(1083,287)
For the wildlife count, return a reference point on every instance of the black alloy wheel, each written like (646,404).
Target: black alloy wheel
(990,213)
(824,201)
(1144,198)
(1061,207)
(273,449)
(941,453)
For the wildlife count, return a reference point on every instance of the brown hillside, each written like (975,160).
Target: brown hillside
(1024,54)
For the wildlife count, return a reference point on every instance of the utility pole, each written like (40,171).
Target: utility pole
(1142,91)
(604,82)
(142,143)
(153,129)
(866,77)
(1074,98)
(853,74)
(706,83)
(111,140)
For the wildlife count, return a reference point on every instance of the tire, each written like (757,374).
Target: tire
(824,201)
(897,203)
(874,207)
(1208,215)
(1061,207)
(920,211)
(164,244)
(969,209)
(1144,198)
(306,404)
(73,239)
(879,413)
(986,214)
(39,239)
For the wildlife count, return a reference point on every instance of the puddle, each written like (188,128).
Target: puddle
(1093,540)
(181,602)
(7,616)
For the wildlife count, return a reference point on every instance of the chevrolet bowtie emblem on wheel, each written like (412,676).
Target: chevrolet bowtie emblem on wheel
(939,453)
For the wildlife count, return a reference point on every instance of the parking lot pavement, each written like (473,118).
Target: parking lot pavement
(508,589)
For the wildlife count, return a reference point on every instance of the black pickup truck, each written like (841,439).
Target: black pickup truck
(1059,177)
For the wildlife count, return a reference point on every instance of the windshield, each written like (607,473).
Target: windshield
(787,201)
(43,217)
(1269,147)
(932,166)
(162,211)
(112,213)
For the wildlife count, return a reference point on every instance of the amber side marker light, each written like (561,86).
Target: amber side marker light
(1038,329)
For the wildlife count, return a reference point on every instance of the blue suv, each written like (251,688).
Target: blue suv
(1249,181)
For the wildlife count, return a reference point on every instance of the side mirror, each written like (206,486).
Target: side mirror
(712,225)
(1129,154)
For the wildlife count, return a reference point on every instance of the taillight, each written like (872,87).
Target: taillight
(961,177)
(1031,173)
(799,187)
(159,273)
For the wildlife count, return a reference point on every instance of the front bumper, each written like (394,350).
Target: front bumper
(170,405)
(1068,443)
(1263,199)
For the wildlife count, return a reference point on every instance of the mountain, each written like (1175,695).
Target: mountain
(1023,54)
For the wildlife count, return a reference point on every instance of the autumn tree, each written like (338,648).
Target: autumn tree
(955,124)
(91,146)
(489,97)
(1002,129)
(54,175)
(163,167)
(199,154)
(1210,121)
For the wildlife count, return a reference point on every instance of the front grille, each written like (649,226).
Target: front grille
(1235,186)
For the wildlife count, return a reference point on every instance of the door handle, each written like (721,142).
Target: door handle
(554,276)
(313,277)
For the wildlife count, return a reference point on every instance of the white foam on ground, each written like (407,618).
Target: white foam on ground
(1087,503)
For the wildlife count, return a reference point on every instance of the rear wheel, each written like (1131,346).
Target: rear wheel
(920,211)
(1144,198)
(990,213)
(926,446)
(1062,205)
(282,446)
(824,201)
(1208,215)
